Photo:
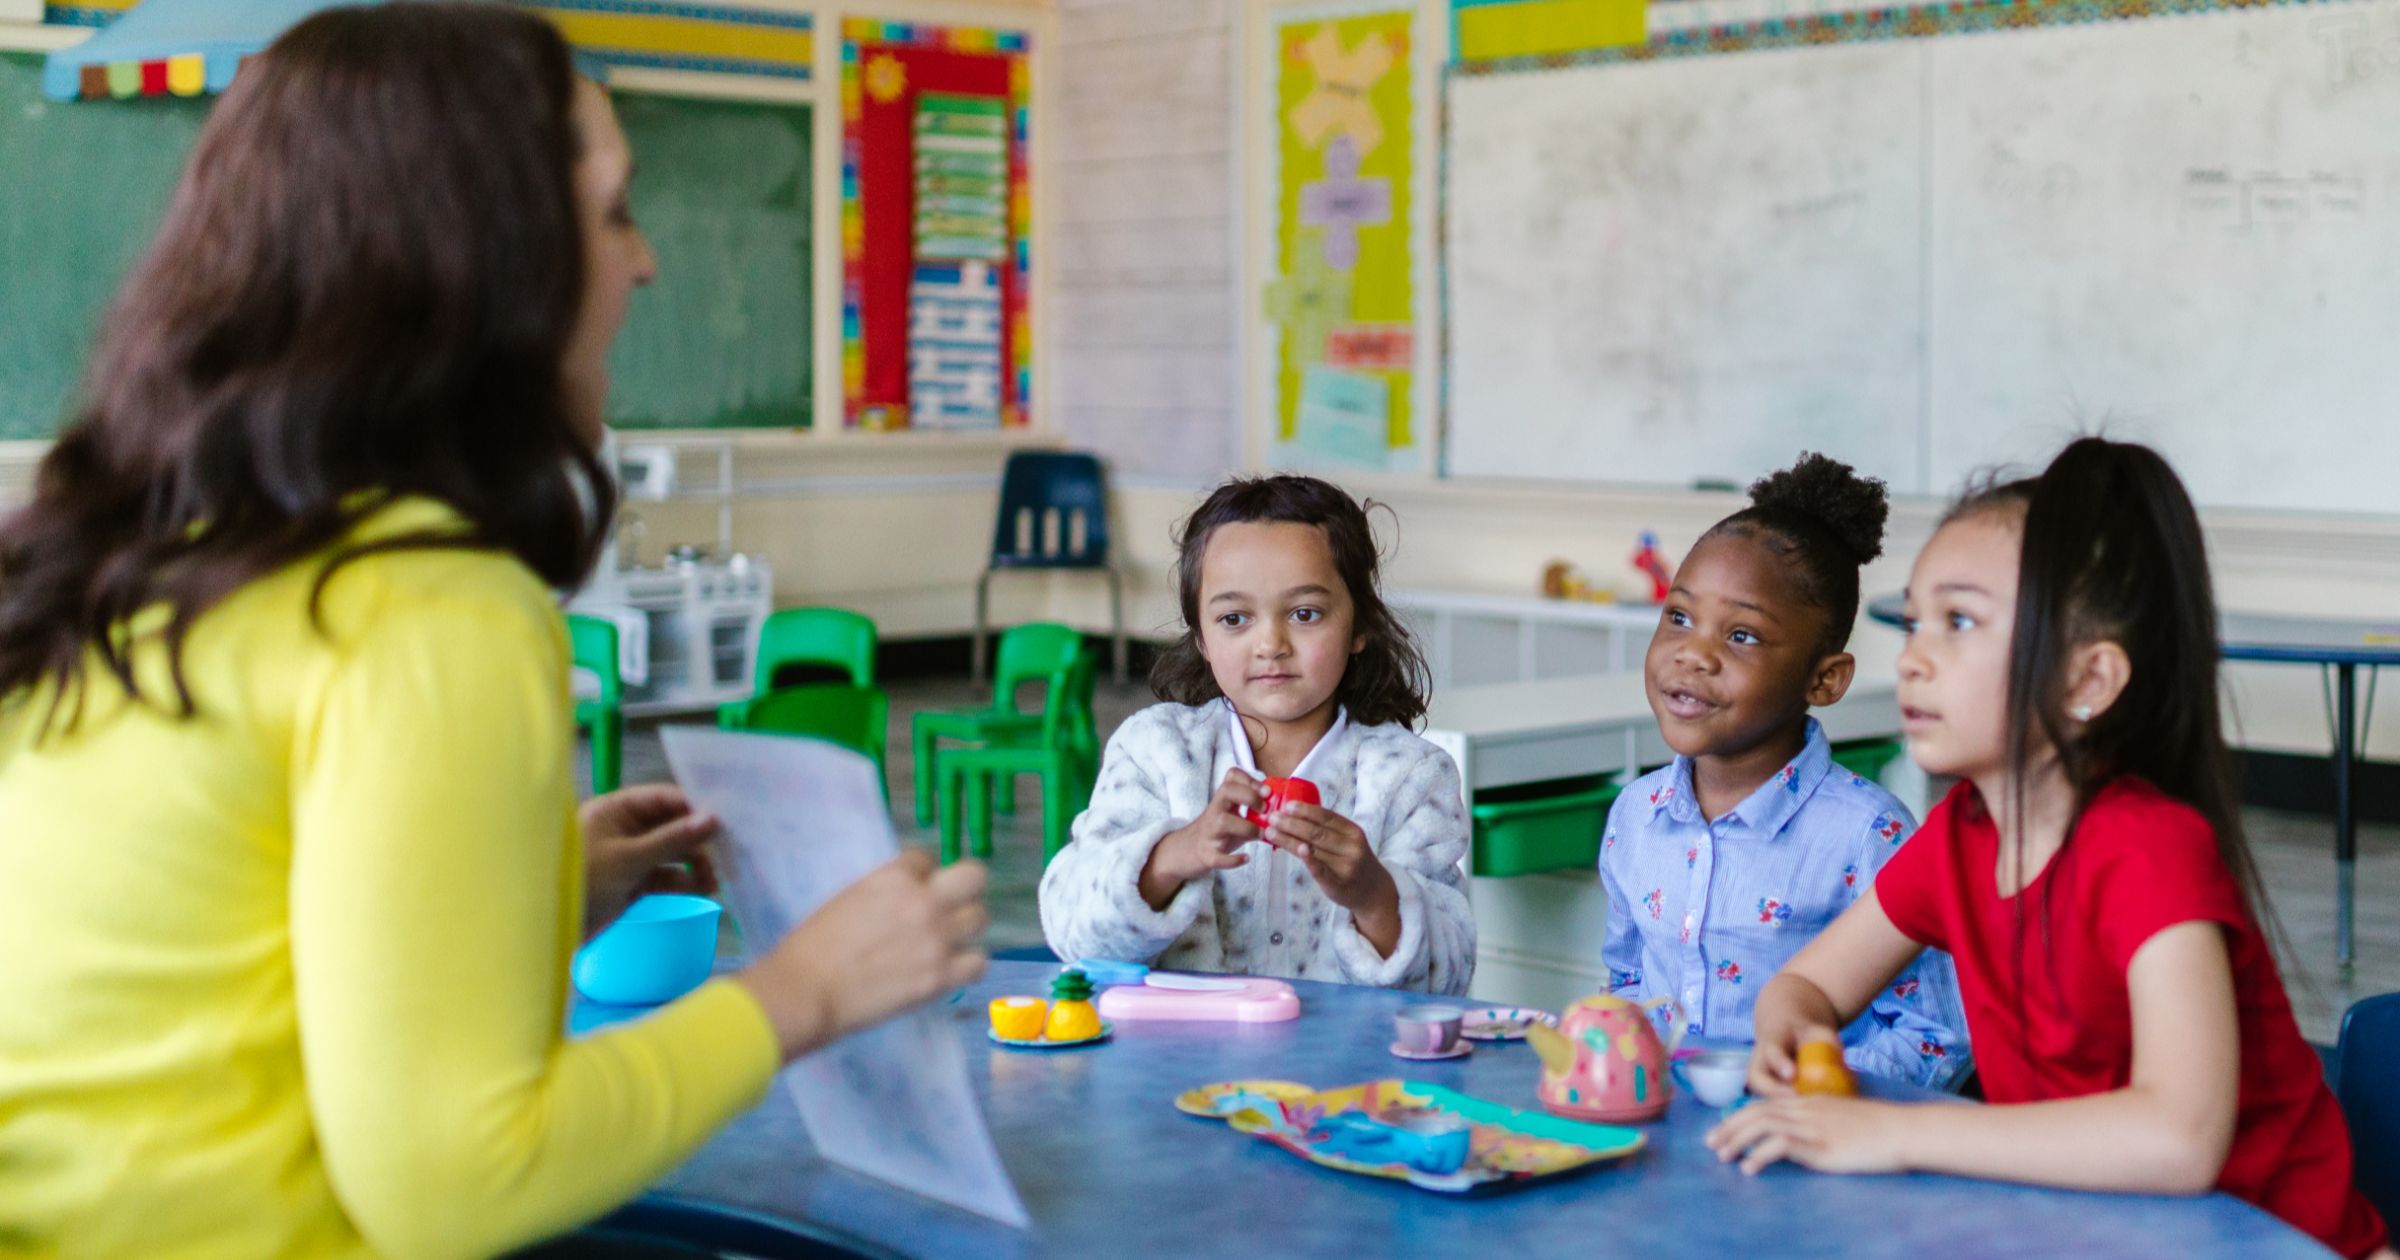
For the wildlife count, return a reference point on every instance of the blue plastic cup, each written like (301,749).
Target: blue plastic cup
(661,948)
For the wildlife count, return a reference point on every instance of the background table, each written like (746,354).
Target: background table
(1109,1168)
(2336,646)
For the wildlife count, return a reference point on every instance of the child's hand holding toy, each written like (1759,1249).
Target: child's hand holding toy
(1775,1056)
(1342,861)
(1207,844)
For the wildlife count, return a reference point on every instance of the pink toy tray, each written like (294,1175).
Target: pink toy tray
(1227,999)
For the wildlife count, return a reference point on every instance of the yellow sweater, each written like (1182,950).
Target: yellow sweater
(288,979)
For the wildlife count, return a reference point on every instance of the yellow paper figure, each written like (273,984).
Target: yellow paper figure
(1338,105)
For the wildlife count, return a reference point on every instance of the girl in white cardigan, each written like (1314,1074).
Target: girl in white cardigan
(1290,666)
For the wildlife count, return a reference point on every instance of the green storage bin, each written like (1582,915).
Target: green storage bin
(1866,758)
(1551,826)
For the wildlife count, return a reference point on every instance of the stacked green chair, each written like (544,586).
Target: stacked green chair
(1065,753)
(838,713)
(593,644)
(829,638)
(855,714)
(1037,652)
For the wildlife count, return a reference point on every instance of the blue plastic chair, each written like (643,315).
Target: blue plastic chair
(1053,515)
(2370,1096)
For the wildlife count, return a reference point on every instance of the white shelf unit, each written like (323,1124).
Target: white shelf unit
(1473,640)
(687,629)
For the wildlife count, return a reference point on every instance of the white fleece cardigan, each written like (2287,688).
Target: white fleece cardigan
(1267,917)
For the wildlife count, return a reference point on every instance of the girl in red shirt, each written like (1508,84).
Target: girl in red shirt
(2088,874)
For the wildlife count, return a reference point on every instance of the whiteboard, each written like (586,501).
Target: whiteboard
(2186,227)
(1638,264)
(2183,230)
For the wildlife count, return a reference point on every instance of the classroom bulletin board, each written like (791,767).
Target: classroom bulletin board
(937,208)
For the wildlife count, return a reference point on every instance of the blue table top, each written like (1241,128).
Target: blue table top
(2269,637)
(1107,1166)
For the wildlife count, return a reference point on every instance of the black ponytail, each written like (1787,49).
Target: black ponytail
(2113,551)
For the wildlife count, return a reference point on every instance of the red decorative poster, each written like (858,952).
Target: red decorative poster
(884,80)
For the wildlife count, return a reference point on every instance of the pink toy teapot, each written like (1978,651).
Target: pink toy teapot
(1605,1061)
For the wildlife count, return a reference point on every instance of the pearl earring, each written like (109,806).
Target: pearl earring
(2081,713)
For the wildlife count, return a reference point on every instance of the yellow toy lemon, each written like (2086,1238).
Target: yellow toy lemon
(1071,1015)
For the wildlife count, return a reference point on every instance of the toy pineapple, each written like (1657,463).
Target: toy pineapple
(1071,1015)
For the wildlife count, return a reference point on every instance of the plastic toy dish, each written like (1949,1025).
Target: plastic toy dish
(1215,1102)
(661,948)
(1425,1140)
(1044,1043)
(1502,1023)
(1459,1051)
(1101,971)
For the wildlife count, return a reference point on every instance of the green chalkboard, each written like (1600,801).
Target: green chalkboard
(722,339)
(82,187)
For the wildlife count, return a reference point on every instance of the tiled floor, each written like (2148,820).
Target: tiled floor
(2295,852)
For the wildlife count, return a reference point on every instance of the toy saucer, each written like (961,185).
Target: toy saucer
(1213,1102)
(1044,1043)
(1501,1023)
(1461,1052)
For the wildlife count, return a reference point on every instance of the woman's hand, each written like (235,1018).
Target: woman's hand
(1207,844)
(1339,857)
(1845,1135)
(903,934)
(638,841)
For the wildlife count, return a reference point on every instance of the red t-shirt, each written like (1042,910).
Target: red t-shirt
(2048,1014)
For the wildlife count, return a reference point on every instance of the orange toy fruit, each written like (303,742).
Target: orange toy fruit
(1821,1071)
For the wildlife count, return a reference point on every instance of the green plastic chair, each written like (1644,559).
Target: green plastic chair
(838,713)
(1030,653)
(593,643)
(836,638)
(1066,756)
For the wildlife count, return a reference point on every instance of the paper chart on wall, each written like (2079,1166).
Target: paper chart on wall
(1342,291)
(1344,420)
(799,821)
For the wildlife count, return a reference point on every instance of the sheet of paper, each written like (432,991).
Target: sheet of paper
(800,820)
(1345,420)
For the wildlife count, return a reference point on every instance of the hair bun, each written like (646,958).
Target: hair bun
(1851,508)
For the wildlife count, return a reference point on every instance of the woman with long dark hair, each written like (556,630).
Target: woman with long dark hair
(293,863)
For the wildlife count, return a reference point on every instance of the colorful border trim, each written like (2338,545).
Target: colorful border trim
(857,35)
(667,36)
(651,34)
(1574,25)
(1964,17)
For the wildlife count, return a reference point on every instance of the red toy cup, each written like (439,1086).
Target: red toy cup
(1282,792)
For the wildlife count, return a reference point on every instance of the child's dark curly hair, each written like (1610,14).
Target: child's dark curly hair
(1386,680)
(1824,523)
